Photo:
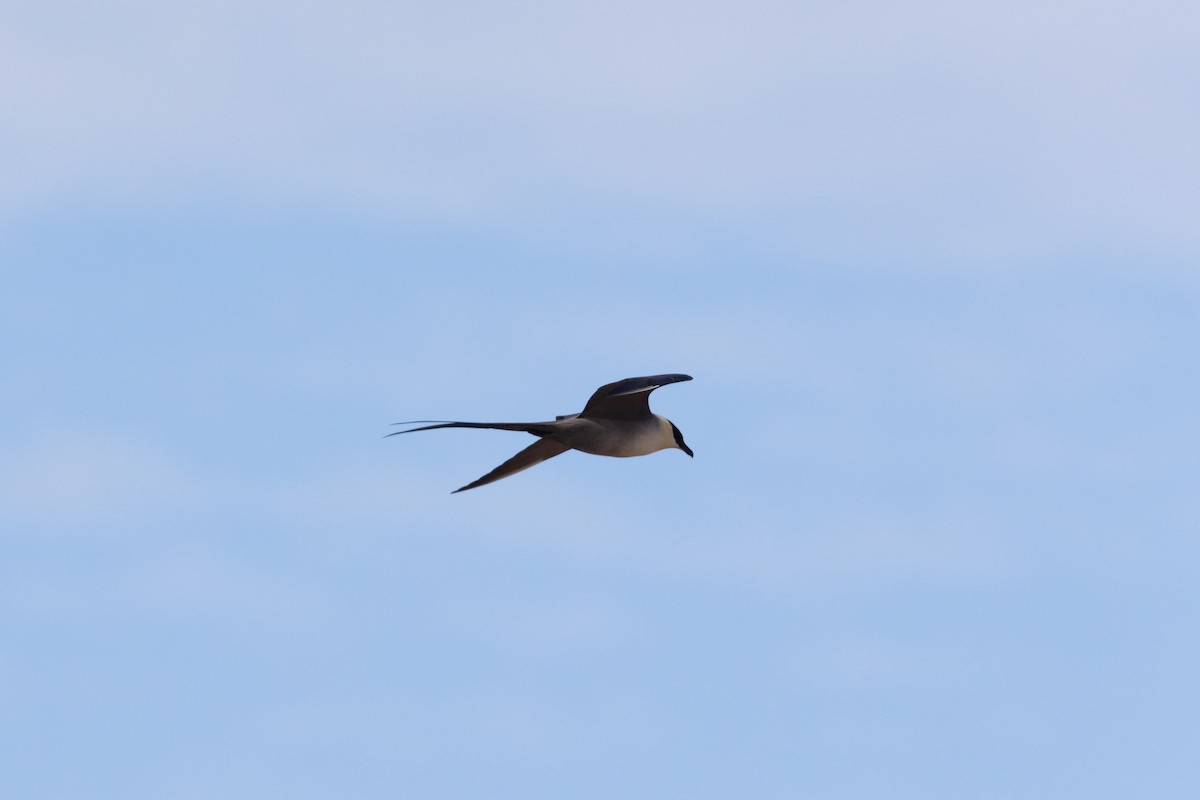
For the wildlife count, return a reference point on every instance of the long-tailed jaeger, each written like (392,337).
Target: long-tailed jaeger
(616,421)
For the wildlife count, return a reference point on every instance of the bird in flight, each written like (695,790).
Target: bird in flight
(616,421)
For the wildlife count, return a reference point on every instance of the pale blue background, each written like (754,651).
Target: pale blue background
(933,265)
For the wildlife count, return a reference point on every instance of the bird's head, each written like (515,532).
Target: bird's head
(679,442)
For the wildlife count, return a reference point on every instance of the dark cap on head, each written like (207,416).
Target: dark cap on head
(679,440)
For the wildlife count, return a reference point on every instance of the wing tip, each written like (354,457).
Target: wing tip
(644,383)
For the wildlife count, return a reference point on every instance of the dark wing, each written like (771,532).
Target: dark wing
(536,453)
(627,399)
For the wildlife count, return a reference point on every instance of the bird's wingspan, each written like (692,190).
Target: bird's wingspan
(627,398)
(536,453)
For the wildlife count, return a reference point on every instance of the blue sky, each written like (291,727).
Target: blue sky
(932,265)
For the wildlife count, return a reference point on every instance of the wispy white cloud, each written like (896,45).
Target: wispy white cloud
(192,581)
(214,584)
(87,482)
(1025,131)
